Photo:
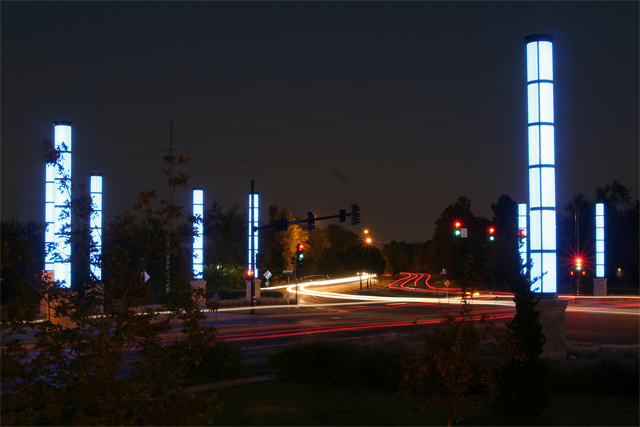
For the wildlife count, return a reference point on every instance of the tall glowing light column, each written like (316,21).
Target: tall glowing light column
(542,185)
(95,224)
(254,204)
(58,206)
(198,239)
(600,240)
(522,233)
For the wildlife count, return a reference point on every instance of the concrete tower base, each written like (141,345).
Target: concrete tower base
(553,319)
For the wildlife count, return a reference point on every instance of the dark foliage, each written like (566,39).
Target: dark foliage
(339,364)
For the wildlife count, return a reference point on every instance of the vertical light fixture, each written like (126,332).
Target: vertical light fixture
(600,271)
(254,204)
(522,233)
(198,238)
(542,185)
(58,206)
(95,224)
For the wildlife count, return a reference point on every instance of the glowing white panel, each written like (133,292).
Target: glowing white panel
(545,50)
(548,230)
(548,184)
(534,149)
(198,238)
(533,103)
(600,234)
(534,187)
(532,61)
(600,270)
(536,271)
(549,278)
(547,145)
(535,226)
(198,241)
(546,102)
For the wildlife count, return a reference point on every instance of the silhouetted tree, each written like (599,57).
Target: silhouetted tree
(74,378)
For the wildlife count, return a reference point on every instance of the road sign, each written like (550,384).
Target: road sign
(267,275)
(447,283)
(287,271)
(463,232)
(444,271)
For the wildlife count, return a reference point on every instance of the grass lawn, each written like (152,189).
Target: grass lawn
(293,404)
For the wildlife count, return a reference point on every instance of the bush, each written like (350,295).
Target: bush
(340,364)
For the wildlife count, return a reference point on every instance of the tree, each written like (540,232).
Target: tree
(280,246)
(451,370)
(504,254)
(74,377)
(523,395)
(463,258)
(363,258)
(22,258)
(225,247)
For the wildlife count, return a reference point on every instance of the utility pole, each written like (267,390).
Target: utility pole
(168,264)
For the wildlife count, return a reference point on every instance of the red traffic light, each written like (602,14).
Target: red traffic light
(300,247)
(492,230)
(458,224)
(249,273)
(523,232)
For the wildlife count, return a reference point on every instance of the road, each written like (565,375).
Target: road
(409,309)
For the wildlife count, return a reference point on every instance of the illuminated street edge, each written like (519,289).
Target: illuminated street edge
(600,240)
(95,224)
(522,233)
(542,186)
(58,206)
(254,204)
(198,238)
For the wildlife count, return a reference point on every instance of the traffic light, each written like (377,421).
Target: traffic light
(355,214)
(579,264)
(492,234)
(311,221)
(249,274)
(522,234)
(343,215)
(259,261)
(300,255)
(457,228)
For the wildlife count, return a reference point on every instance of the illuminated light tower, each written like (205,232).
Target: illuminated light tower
(542,185)
(522,233)
(254,204)
(599,239)
(95,224)
(198,238)
(600,282)
(58,206)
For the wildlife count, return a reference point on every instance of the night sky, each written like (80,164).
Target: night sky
(398,107)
